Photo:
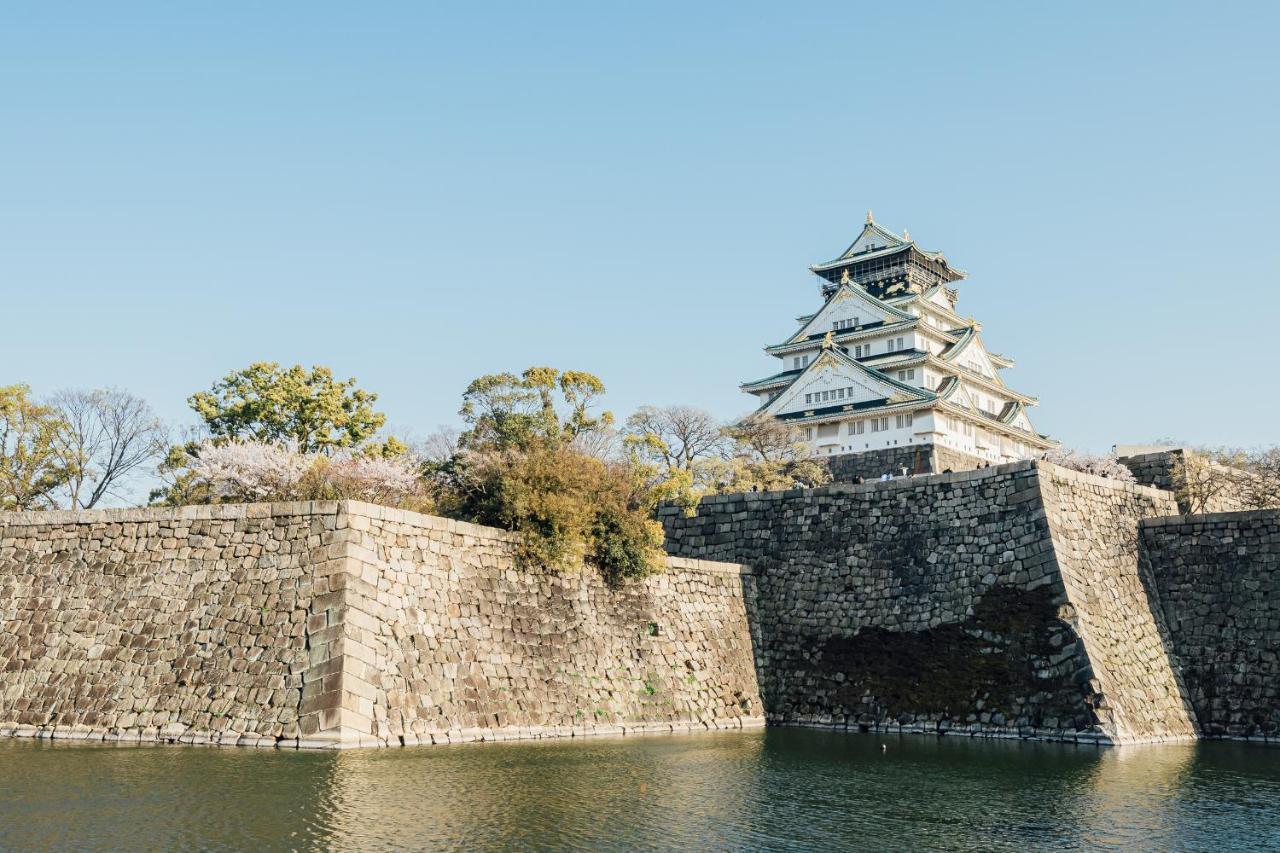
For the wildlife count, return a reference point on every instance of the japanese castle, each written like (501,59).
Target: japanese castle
(888,369)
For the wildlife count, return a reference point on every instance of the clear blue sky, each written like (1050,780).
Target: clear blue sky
(417,194)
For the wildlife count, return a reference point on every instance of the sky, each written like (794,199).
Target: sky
(417,194)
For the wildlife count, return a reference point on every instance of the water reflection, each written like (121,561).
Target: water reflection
(790,789)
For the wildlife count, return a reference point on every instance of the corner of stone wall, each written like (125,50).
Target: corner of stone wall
(1131,679)
(336,708)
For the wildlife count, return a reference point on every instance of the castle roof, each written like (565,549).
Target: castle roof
(875,242)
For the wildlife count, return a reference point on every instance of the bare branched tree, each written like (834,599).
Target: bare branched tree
(676,436)
(438,447)
(1220,479)
(110,435)
(1262,491)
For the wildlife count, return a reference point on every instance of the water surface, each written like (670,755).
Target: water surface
(776,789)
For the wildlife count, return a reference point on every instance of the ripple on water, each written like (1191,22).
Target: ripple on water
(776,789)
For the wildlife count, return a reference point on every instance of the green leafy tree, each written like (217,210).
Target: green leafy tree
(524,464)
(31,467)
(542,404)
(268,403)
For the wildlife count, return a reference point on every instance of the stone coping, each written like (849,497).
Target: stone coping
(918,480)
(231,512)
(1211,518)
(961,730)
(1152,455)
(186,737)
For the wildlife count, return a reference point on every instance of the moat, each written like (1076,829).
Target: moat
(774,789)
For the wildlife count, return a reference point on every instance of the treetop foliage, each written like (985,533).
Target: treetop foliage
(505,411)
(31,467)
(268,403)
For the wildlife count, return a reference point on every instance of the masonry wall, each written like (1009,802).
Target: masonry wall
(1216,579)
(339,624)
(452,641)
(1167,470)
(914,458)
(973,602)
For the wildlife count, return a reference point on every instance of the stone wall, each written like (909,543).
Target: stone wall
(975,602)
(1168,470)
(913,458)
(1159,469)
(1094,533)
(1216,579)
(339,624)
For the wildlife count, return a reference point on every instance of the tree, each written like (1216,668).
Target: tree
(246,470)
(768,454)
(109,435)
(1211,479)
(536,459)
(31,468)
(566,506)
(267,403)
(505,411)
(1262,490)
(677,437)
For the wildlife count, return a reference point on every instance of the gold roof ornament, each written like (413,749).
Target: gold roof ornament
(906,235)
(870,218)
(828,340)
(844,276)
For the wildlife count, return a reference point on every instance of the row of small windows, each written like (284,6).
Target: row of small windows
(880,424)
(908,375)
(859,350)
(840,325)
(829,396)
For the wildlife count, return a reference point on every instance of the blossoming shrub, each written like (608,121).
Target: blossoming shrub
(248,470)
(1099,465)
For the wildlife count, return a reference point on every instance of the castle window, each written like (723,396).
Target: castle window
(903,420)
(857,427)
(907,375)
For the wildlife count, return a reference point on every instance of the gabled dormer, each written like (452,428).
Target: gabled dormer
(873,238)
(849,307)
(834,382)
(971,354)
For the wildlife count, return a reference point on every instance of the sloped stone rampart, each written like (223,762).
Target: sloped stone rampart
(1093,526)
(1216,580)
(344,624)
(972,602)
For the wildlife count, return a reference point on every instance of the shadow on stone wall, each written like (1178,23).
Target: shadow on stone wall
(1002,602)
(1012,662)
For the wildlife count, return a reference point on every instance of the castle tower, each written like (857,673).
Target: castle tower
(886,375)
